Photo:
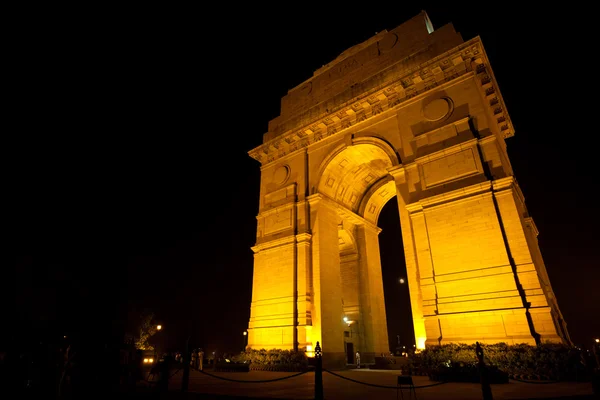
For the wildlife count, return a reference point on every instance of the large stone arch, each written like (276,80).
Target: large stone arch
(428,127)
(346,177)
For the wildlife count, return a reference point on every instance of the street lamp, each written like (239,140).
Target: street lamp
(158,327)
(597,340)
(245,333)
(401,280)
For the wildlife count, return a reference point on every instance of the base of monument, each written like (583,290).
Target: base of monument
(391,363)
(334,360)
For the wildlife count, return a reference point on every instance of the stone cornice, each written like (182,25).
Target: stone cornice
(469,57)
(531,224)
(342,211)
(452,196)
(301,238)
(276,210)
(357,219)
(398,172)
(503,183)
(273,243)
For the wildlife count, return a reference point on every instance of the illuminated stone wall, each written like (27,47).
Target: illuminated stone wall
(417,115)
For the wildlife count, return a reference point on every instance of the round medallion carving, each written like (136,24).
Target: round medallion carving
(437,109)
(281,175)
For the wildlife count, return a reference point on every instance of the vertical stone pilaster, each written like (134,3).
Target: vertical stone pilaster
(372,302)
(424,276)
(350,266)
(272,312)
(410,254)
(542,316)
(304,290)
(328,313)
(468,287)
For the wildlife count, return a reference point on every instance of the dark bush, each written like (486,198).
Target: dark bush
(274,360)
(461,372)
(547,361)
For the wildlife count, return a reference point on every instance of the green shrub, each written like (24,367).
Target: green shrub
(273,360)
(463,372)
(546,361)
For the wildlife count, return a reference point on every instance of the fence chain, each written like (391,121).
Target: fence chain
(155,381)
(382,386)
(175,373)
(261,381)
(534,382)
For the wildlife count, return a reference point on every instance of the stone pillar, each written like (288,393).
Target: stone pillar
(541,315)
(328,313)
(349,266)
(425,296)
(415,271)
(372,303)
(468,288)
(304,289)
(273,308)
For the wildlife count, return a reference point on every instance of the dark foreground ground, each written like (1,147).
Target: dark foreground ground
(349,385)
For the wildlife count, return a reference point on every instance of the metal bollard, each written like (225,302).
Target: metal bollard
(318,373)
(483,374)
(185,380)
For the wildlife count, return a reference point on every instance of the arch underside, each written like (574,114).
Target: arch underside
(357,178)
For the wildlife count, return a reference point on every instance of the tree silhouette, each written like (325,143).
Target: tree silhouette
(147,329)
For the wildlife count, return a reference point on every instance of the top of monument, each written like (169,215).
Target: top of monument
(351,51)
(372,40)
(361,68)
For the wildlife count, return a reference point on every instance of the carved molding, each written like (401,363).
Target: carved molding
(466,193)
(489,88)
(463,59)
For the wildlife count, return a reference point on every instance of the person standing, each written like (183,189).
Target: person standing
(197,360)
(357,359)
(200,359)
(193,362)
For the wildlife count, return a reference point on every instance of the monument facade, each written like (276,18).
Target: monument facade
(414,113)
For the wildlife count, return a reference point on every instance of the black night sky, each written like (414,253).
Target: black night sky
(129,185)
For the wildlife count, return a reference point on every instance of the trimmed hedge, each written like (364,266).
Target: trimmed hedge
(274,360)
(549,361)
(461,372)
(277,368)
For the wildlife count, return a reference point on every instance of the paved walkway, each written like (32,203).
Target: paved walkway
(336,387)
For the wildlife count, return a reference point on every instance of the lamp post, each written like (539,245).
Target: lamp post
(245,335)
(596,371)
(399,350)
(158,340)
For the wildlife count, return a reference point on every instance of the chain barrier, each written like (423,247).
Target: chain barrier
(261,381)
(534,382)
(154,381)
(175,373)
(383,386)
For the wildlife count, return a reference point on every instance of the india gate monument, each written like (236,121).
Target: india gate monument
(414,113)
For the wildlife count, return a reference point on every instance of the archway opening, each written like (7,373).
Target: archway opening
(401,334)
